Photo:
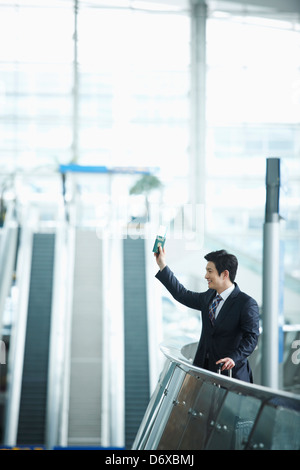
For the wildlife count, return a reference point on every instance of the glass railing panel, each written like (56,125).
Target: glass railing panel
(202,410)
(154,405)
(179,416)
(234,422)
(191,419)
(170,398)
(201,417)
(277,428)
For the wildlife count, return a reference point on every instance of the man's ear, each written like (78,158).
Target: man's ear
(225,274)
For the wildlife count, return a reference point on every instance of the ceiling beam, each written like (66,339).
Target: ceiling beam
(285,6)
(276,6)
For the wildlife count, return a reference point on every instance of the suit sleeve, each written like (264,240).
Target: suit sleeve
(178,291)
(250,331)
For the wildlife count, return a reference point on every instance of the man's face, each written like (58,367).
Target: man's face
(212,276)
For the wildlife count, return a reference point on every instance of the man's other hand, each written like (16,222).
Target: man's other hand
(228,363)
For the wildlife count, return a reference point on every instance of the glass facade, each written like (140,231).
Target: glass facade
(36,83)
(108,83)
(116,95)
(253,113)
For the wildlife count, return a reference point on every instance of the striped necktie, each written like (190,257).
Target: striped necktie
(213,308)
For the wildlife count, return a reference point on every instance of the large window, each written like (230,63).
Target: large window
(253,112)
(36,55)
(114,93)
(108,83)
(133,87)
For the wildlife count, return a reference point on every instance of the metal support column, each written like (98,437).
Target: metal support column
(271,277)
(198,101)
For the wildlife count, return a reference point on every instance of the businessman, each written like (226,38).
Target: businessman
(230,318)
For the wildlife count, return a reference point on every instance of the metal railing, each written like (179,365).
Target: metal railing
(194,409)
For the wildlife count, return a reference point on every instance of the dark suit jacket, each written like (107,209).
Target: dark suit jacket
(235,331)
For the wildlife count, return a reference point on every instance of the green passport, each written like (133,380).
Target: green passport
(159,241)
(160,238)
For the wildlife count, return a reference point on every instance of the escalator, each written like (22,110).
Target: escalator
(84,401)
(135,337)
(33,397)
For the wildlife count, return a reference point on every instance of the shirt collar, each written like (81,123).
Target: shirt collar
(226,293)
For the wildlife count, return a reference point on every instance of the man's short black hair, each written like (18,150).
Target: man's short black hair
(223,261)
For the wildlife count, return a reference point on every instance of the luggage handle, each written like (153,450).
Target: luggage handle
(220,367)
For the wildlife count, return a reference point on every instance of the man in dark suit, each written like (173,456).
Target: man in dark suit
(230,318)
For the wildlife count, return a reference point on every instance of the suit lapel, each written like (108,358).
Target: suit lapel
(226,306)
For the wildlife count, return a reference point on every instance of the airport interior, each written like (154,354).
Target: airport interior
(120,119)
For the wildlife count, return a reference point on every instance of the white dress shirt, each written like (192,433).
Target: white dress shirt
(226,293)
